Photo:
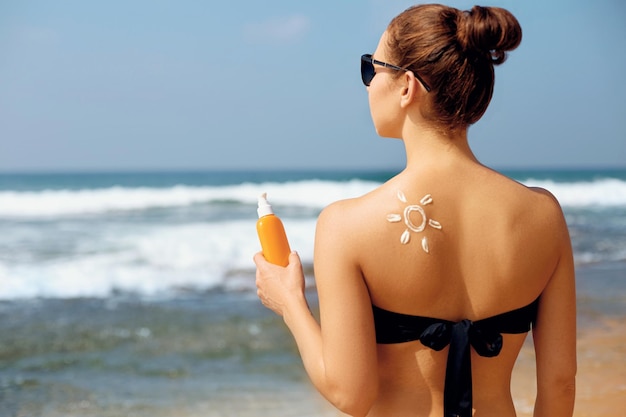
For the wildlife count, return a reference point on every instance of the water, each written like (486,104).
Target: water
(133,293)
(147,233)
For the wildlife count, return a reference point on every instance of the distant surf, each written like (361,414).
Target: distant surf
(314,194)
(91,235)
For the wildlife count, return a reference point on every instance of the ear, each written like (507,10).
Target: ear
(410,89)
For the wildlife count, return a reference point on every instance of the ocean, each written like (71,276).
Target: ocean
(133,293)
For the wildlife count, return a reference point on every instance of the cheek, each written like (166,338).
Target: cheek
(384,114)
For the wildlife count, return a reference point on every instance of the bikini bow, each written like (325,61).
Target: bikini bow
(457,394)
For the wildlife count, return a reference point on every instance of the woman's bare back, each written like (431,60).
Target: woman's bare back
(491,249)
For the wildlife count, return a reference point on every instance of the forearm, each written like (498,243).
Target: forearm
(307,334)
(353,397)
(556,401)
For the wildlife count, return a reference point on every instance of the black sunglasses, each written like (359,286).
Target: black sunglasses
(368,71)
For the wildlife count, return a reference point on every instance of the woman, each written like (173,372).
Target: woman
(429,284)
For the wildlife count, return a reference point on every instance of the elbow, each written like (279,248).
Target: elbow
(354,401)
(355,407)
(563,381)
(561,389)
(565,388)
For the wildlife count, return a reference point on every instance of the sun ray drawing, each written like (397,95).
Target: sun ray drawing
(410,212)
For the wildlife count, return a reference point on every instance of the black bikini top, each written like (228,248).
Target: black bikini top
(484,335)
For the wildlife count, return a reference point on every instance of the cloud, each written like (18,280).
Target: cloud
(280,30)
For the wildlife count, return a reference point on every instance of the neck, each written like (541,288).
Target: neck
(428,148)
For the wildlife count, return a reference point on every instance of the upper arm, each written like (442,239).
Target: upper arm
(555,331)
(347,327)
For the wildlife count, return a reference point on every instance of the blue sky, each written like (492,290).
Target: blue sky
(191,84)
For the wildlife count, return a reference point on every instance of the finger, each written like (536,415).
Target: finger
(294,259)
(259,258)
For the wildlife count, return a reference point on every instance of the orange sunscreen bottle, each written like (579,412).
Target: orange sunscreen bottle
(272,235)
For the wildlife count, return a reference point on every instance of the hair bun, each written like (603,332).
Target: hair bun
(490,31)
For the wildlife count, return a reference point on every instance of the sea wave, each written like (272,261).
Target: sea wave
(151,261)
(54,203)
(607,192)
(314,194)
(59,260)
(191,257)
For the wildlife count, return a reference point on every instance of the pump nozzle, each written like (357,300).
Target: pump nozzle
(264,207)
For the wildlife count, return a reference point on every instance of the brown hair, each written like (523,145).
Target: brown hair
(454,51)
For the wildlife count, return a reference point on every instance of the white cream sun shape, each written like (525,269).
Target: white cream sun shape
(411,226)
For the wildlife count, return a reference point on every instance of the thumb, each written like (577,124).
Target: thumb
(294,258)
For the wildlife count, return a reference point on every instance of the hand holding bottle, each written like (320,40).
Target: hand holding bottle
(280,289)
(279,275)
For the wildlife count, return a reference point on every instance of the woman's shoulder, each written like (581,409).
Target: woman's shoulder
(341,212)
(528,206)
(544,195)
(539,200)
(518,193)
(549,210)
(340,230)
(349,215)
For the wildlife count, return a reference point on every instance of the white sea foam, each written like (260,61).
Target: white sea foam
(311,193)
(53,203)
(197,256)
(49,249)
(608,192)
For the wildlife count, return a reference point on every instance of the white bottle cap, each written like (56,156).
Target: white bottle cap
(264,208)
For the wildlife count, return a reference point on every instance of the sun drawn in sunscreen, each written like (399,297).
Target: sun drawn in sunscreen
(412,226)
